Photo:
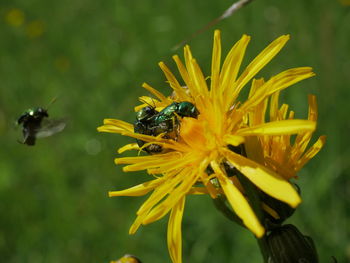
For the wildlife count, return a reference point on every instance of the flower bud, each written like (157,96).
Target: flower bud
(288,245)
(127,259)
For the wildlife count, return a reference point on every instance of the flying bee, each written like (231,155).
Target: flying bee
(151,122)
(35,124)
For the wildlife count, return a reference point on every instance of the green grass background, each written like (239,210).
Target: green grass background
(94,56)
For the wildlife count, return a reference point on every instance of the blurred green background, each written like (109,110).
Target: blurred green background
(94,56)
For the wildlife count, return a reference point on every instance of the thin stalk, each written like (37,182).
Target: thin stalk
(255,202)
(263,248)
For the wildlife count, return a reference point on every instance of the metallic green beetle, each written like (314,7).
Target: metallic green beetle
(167,120)
(151,122)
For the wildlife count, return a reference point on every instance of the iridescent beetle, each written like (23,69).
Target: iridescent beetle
(167,119)
(143,125)
(151,122)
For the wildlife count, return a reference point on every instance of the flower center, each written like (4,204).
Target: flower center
(192,132)
(197,135)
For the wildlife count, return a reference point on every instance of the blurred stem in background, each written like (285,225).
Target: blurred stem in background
(228,12)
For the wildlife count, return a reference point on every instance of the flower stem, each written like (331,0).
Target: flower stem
(263,248)
(255,202)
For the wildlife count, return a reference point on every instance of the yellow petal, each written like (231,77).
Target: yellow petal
(279,128)
(146,162)
(155,92)
(188,177)
(300,144)
(188,180)
(267,180)
(192,132)
(113,129)
(198,78)
(257,116)
(159,166)
(274,106)
(238,202)
(165,143)
(135,226)
(175,164)
(233,139)
(128,147)
(189,81)
(174,84)
(288,78)
(215,64)
(174,236)
(182,69)
(212,190)
(115,126)
(119,123)
(291,115)
(253,149)
(312,108)
(277,83)
(198,191)
(260,61)
(282,112)
(146,158)
(161,190)
(137,190)
(285,170)
(196,82)
(156,196)
(168,185)
(233,62)
(314,149)
(230,70)
(256,84)
(147,101)
(272,212)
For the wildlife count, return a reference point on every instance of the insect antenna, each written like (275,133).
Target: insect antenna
(154,104)
(146,102)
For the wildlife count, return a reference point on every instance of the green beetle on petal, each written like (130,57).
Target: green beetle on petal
(167,119)
(151,122)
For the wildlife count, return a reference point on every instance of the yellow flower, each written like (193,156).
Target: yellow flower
(277,151)
(15,17)
(204,141)
(126,259)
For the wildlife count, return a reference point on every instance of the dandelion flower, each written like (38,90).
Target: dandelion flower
(280,152)
(205,141)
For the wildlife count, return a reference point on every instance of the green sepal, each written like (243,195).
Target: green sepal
(222,205)
(283,210)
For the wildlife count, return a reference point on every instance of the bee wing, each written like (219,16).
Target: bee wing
(50,127)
